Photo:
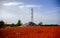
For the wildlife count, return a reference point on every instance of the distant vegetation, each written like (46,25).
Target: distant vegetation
(1,23)
(12,25)
(18,24)
(40,24)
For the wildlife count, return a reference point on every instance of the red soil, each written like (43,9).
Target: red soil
(31,32)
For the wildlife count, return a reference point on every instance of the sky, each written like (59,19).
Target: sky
(46,11)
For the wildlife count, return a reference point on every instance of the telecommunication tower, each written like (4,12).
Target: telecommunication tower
(31,14)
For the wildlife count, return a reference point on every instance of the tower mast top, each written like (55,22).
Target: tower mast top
(31,14)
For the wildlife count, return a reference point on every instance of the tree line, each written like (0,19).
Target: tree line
(2,24)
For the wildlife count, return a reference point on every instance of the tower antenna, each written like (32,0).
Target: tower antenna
(31,14)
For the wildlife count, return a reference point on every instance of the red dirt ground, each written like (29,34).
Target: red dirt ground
(31,32)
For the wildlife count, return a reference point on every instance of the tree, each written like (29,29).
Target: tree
(19,23)
(12,25)
(1,23)
(40,23)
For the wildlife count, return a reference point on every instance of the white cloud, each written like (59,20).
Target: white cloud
(20,5)
(33,6)
(30,6)
(12,3)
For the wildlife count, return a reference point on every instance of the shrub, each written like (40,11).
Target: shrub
(19,23)
(12,25)
(40,23)
(1,23)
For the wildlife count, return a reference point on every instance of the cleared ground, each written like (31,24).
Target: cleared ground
(31,32)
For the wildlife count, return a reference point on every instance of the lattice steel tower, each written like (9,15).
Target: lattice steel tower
(31,14)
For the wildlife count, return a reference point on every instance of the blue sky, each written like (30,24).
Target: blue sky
(46,11)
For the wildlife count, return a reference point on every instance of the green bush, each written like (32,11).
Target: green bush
(40,23)
(1,23)
(19,23)
(12,25)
